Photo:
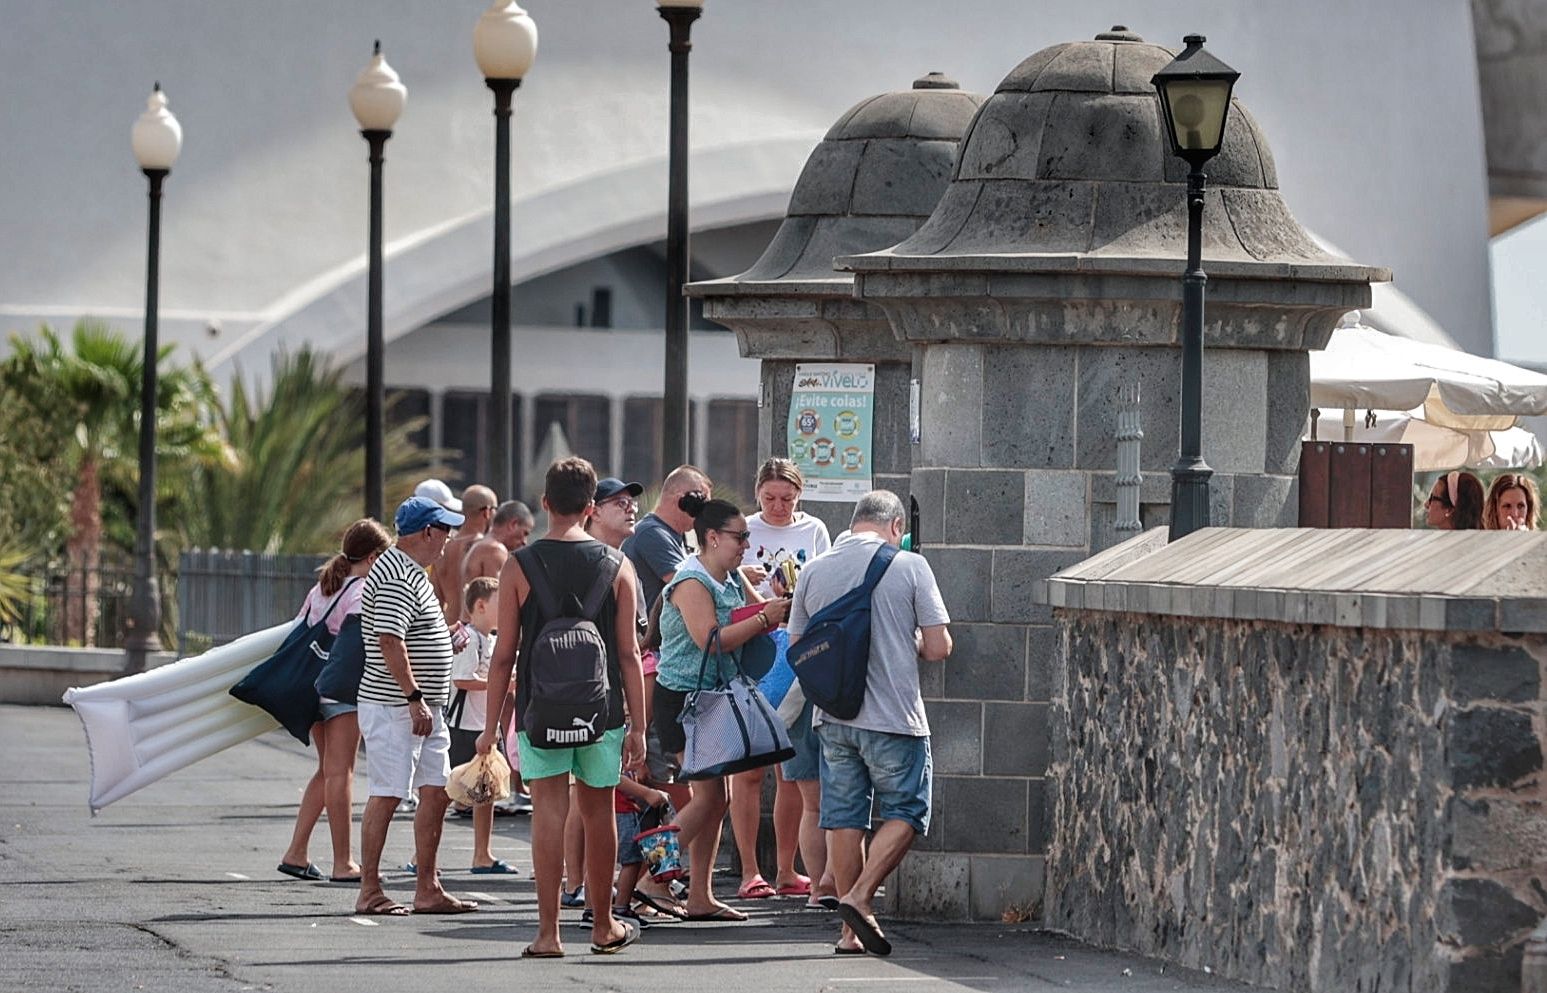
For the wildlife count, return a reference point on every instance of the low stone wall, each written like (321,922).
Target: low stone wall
(1306,807)
(39,674)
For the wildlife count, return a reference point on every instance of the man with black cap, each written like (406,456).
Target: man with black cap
(617,510)
(406,683)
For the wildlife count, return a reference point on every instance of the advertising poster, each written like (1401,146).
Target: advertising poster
(831,410)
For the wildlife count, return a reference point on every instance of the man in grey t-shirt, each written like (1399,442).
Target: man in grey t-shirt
(657,547)
(882,753)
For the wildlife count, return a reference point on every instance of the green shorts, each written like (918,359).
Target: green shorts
(597,764)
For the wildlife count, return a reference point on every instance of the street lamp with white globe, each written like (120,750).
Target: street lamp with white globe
(505,46)
(377,100)
(157,139)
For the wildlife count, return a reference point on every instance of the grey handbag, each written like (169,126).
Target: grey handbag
(730,728)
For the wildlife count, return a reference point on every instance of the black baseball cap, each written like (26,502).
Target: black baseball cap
(611,486)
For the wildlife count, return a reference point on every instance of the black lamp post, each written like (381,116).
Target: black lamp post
(156,138)
(377,98)
(505,45)
(680,14)
(1195,99)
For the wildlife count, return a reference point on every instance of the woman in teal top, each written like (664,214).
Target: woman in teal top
(681,665)
(700,598)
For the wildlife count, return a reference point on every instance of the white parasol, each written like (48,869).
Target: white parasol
(1456,409)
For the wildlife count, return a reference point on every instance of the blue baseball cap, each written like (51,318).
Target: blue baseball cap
(417,513)
(610,486)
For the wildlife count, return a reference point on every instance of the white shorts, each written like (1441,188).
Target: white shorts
(396,760)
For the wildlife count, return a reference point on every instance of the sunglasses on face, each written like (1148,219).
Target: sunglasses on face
(443,528)
(740,536)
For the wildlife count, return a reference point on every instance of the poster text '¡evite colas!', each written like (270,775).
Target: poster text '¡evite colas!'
(837,401)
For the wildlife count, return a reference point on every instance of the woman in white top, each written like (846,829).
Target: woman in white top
(783,539)
(337,731)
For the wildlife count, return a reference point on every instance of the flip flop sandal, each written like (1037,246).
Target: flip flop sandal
(801,887)
(499,867)
(840,950)
(826,901)
(630,935)
(384,907)
(453,906)
(676,913)
(309,871)
(727,914)
(865,929)
(756,888)
(343,879)
(530,953)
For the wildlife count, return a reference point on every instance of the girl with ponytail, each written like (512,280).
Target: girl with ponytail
(337,731)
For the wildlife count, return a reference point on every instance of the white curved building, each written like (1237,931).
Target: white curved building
(1372,110)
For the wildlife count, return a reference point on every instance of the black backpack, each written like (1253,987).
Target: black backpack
(832,657)
(566,665)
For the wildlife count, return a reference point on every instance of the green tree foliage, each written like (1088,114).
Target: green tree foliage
(298,480)
(76,434)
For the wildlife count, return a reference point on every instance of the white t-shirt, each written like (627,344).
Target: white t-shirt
(799,541)
(472,662)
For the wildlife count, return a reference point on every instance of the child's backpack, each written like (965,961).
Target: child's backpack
(566,671)
(832,657)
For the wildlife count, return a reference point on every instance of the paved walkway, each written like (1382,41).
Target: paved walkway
(174,889)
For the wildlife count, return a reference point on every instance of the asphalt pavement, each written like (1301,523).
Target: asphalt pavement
(175,889)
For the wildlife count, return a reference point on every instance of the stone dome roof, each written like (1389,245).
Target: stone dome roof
(875,177)
(1070,157)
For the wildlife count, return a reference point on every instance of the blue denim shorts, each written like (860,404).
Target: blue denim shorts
(861,767)
(807,763)
(628,848)
(329,709)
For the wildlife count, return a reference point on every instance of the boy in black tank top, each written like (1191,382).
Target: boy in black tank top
(571,561)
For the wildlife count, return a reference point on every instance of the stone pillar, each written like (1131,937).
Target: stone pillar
(871,182)
(1048,276)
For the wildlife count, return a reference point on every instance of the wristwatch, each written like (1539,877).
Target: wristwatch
(415,696)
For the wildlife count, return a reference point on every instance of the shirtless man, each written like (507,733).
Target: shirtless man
(478,504)
(511,524)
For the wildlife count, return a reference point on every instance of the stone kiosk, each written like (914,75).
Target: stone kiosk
(1308,759)
(872,181)
(1047,277)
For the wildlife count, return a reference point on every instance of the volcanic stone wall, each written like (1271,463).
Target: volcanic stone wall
(1303,807)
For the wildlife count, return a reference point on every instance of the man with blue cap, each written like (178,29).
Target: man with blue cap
(406,683)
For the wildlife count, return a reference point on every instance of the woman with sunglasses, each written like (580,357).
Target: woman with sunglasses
(698,600)
(1455,503)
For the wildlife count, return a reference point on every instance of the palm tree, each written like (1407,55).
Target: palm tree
(299,478)
(89,394)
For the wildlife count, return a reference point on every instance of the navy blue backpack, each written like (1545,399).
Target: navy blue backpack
(832,657)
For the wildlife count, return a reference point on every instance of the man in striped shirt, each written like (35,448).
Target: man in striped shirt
(404,687)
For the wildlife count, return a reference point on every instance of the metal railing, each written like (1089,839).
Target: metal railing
(213,598)
(73,605)
(222,595)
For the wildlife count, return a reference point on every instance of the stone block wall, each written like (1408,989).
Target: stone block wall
(1303,807)
(1014,475)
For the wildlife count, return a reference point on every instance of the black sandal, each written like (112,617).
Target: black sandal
(649,901)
